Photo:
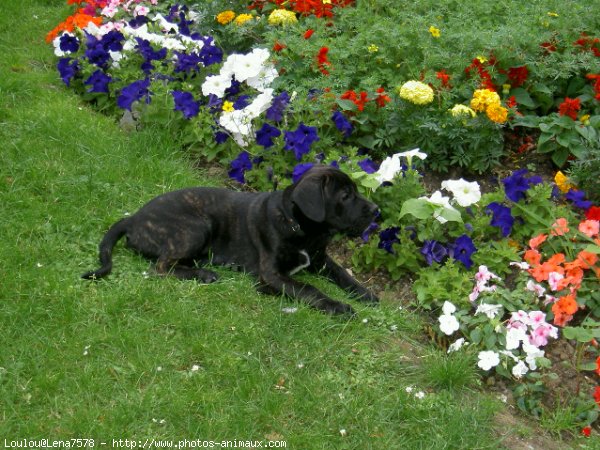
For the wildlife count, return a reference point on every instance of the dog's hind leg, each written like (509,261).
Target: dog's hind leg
(170,266)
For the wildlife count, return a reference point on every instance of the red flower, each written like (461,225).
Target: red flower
(382,99)
(586,431)
(308,33)
(360,102)
(596,78)
(569,107)
(511,102)
(277,47)
(322,60)
(443,77)
(593,213)
(548,46)
(486,78)
(597,395)
(518,75)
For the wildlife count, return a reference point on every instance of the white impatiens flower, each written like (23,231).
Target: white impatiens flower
(520,369)
(216,85)
(448,322)
(488,360)
(514,337)
(456,345)
(465,193)
(491,311)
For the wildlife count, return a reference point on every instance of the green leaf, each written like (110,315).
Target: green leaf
(347,105)
(590,365)
(559,157)
(593,248)
(522,97)
(420,208)
(580,334)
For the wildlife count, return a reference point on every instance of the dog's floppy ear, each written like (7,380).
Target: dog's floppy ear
(309,197)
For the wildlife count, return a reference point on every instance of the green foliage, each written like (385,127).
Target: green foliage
(447,282)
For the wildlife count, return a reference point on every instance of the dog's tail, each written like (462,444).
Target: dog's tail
(107,244)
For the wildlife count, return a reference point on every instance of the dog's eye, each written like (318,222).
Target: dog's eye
(345,197)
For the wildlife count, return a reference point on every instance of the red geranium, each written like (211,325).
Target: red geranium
(593,213)
(323,61)
(597,395)
(308,33)
(444,78)
(518,75)
(569,107)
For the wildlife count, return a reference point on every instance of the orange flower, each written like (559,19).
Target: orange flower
(77,20)
(589,227)
(588,259)
(565,305)
(557,259)
(532,257)
(536,241)
(561,319)
(560,227)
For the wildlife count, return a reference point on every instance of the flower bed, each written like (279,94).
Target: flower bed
(266,90)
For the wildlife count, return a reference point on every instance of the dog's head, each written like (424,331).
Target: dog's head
(326,195)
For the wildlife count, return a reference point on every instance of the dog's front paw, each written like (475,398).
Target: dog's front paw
(206,276)
(338,308)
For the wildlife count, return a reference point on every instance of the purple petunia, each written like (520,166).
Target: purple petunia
(69,43)
(462,249)
(210,53)
(368,165)
(299,170)
(341,123)
(134,92)
(95,52)
(184,102)
(113,41)
(98,81)
(517,184)
(67,68)
(278,106)
(578,199)
(387,238)
(239,166)
(501,217)
(433,251)
(300,141)
(266,134)
(187,63)
(373,226)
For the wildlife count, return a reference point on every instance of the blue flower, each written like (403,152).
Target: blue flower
(187,62)
(462,249)
(341,123)
(68,43)
(148,52)
(210,53)
(299,170)
(67,68)
(220,137)
(367,233)
(96,53)
(433,251)
(113,41)
(578,199)
(241,102)
(300,141)
(501,217)
(266,134)
(239,166)
(184,102)
(387,238)
(278,106)
(516,185)
(98,81)
(134,92)
(368,165)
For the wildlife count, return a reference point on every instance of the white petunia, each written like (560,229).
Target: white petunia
(443,204)
(264,78)
(388,169)
(488,360)
(465,193)
(448,308)
(490,311)
(216,85)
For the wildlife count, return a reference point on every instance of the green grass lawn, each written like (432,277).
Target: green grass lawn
(137,356)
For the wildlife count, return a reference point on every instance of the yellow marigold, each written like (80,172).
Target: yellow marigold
(225,17)
(482,98)
(497,113)
(562,182)
(416,92)
(228,106)
(373,48)
(435,32)
(243,18)
(462,111)
(282,17)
